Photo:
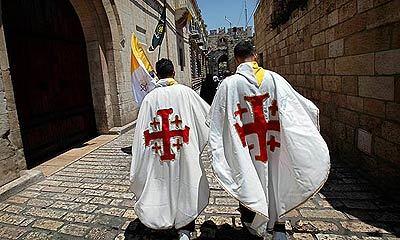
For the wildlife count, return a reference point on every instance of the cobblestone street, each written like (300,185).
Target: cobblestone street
(90,199)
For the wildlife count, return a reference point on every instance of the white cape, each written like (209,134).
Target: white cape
(293,163)
(167,176)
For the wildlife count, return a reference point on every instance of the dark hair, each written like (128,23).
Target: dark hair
(227,73)
(244,49)
(165,68)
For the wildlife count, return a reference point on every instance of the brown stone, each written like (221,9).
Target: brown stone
(356,226)
(318,39)
(326,97)
(333,237)
(336,48)
(310,81)
(348,117)
(374,107)
(364,5)
(355,65)
(395,37)
(321,52)
(333,18)
(384,14)
(347,11)
(315,226)
(11,219)
(330,35)
(370,123)
(322,214)
(368,41)
(387,150)
(355,103)
(353,25)
(47,224)
(376,87)
(339,131)
(391,131)
(79,217)
(318,82)
(46,213)
(8,232)
(318,67)
(74,230)
(393,111)
(332,83)
(350,85)
(303,236)
(330,66)
(387,62)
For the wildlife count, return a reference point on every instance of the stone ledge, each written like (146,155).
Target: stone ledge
(123,129)
(27,177)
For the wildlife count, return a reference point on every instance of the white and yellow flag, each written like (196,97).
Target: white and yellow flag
(142,81)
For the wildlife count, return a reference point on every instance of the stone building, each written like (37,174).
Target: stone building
(198,46)
(65,70)
(344,55)
(221,43)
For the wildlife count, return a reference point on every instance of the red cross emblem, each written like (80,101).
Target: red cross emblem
(165,135)
(260,126)
(177,121)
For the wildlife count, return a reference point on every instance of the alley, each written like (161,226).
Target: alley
(90,198)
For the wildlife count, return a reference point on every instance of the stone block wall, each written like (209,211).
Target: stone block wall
(141,17)
(12,159)
(344,55)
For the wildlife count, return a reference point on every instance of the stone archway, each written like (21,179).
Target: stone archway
(49,70)
(102,33)
(102,29)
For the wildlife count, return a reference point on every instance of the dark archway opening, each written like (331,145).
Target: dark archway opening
(49,70)
(223,64)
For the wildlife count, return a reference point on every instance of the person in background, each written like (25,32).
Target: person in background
(209,88)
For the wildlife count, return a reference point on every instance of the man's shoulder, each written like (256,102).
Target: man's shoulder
(173,89)
(232,81)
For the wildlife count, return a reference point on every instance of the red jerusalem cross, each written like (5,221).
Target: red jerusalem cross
(165,135)
(260,126)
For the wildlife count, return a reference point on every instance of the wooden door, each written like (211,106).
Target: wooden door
(49,70)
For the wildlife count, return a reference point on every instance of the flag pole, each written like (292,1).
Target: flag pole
(159,52)
(165,25)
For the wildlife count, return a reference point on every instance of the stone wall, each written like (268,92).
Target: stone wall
(345,56)
(107,26)
(141,18)
(225,41)
(11,154)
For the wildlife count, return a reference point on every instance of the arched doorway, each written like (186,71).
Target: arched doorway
(49,70)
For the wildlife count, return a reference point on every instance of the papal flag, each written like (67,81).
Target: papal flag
(141,69)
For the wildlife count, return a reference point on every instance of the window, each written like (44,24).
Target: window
(181,59)
(261,59)
(141,35)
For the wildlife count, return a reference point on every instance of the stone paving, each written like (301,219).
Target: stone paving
(90,199)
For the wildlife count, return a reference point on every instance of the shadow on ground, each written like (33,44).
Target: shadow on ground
(127,150)
(209,231)
(346,191)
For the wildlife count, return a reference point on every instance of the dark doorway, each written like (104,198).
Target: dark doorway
(49,69)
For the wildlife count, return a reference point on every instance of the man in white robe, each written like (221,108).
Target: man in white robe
(167,175)
(265,142)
